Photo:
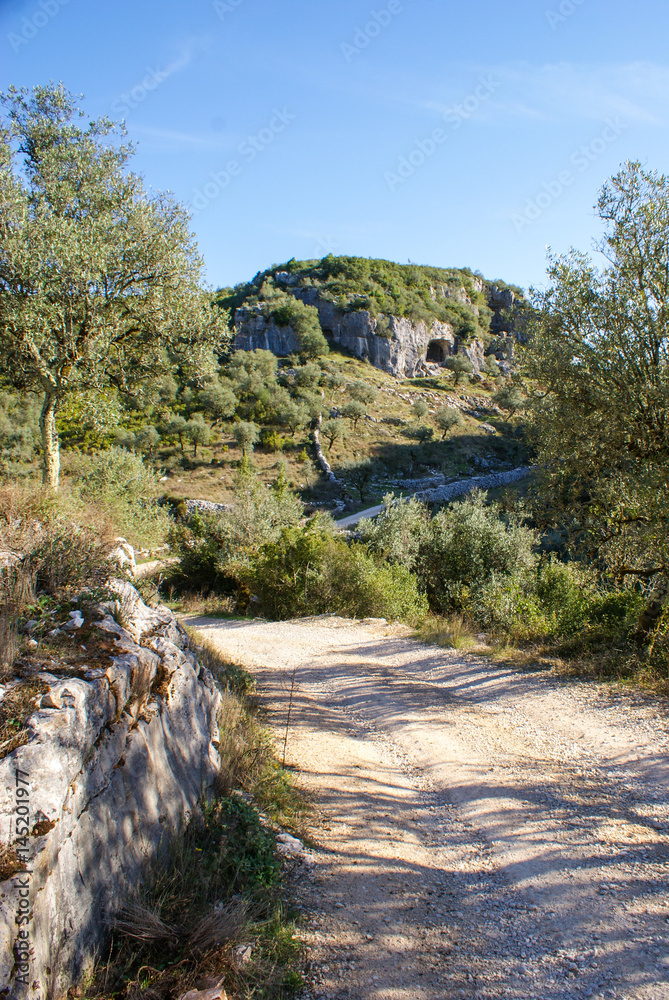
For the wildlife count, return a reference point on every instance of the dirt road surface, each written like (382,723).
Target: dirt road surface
(481,833)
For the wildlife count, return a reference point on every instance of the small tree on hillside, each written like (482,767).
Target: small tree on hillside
(354,411)
(99,281)
(247,435)
(363,392)
(447,419)
(491,366)
(420,409)
(333,430)
(177,427)
(459,365)
(198,433)
(509,398)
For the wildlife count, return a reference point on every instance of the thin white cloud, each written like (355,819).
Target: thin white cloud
(637,92)
(173,137)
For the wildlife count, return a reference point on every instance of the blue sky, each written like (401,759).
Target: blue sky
(471,134)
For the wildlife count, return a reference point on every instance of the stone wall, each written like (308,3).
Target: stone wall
(117,758)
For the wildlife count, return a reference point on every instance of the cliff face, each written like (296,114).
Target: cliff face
(394,343)
(117,758)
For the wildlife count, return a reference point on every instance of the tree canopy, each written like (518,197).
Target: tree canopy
(600,355)
(99,280)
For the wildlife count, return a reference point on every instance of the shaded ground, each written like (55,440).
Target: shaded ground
(483,833)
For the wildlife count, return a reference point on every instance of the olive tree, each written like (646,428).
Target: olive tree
(99,280)
(600,355)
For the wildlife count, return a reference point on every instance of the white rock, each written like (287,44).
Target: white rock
(112,767)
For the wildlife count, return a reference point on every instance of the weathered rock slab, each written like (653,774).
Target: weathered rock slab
(115,762)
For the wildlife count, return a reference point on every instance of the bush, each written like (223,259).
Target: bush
(310,571)
(273,441)
(63,547)
(470,545)
(461,549)
(447,419)
(215,550)
(126,494)
(558,600)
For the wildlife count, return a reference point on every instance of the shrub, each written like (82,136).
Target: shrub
(273,441)
(62,547)
(246,435)
(420,409)
(125,493)
(215,550)
(462,548)
(311,571)
(470,545)
(400,532)
(447,419)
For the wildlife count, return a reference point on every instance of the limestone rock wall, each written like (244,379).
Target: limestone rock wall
(117,758)
(393,343)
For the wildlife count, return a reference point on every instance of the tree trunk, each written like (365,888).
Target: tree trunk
(50,448)
(651,613)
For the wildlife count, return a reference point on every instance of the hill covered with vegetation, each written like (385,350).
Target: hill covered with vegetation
(383,288)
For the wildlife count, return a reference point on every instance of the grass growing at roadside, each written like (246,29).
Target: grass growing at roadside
(212,908)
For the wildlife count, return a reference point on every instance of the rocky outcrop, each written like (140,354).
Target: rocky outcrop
(395,344)
(118,756)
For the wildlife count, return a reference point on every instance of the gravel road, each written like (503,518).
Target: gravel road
(481,832)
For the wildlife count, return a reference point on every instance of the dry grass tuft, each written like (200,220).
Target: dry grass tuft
(454,632)
(221,927)
(141,924)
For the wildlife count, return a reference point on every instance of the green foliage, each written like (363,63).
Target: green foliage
(447,419)
(246,435)
(601,356)
(354,411)
(333,430)
(509,398)
(463,547)
(249,859)
(19,428)
(147,440)
(218,400)
(273,441)
(491,366)
(559,600)
(459,365)
(363,392)
(383,288)
(310,570)
(99,280)
(420,409)
(216,550)
(126,492)
(286,310)
(197,432)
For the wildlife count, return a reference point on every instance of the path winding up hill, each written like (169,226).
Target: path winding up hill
(482,834)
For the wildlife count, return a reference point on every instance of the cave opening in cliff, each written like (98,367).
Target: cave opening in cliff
(437,351)
(328,334)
